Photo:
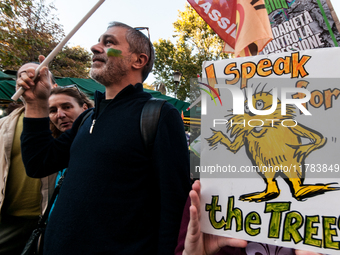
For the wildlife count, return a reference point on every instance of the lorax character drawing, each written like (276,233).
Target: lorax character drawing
(271,144)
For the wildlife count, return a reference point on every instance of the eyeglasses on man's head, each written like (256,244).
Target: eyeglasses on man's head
(144,28)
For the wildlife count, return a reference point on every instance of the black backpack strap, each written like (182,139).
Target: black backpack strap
(85,117)
(149,121)
(43,219)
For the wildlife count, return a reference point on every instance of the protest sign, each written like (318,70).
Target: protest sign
(242,25)
(270,151)
(301,25)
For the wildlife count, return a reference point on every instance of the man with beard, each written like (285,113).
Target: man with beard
(118,197)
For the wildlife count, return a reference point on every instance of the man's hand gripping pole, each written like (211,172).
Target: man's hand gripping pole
(56,50)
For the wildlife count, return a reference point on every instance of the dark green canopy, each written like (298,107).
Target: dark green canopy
(89,86)
(5,76)
(7,89)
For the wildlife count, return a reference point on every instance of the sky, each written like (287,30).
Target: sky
(158,15)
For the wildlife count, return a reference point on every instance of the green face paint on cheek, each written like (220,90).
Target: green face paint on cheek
(114,53)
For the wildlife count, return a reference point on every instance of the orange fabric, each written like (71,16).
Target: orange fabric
(242,24)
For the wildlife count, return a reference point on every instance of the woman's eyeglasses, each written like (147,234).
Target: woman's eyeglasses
(72,86)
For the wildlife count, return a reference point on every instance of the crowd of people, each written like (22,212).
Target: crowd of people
(118,197)
(27,198)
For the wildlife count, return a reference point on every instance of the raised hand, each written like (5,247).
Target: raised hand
(198,243)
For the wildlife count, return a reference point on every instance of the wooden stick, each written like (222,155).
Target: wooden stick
(56,50)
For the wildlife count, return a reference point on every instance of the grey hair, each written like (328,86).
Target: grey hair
(138,43)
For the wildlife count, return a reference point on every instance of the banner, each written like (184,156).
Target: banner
(270,151)
(301,25)
(242,24)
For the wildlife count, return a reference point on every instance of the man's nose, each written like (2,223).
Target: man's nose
(97,48)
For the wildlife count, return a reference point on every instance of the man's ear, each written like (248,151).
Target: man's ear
(140,61)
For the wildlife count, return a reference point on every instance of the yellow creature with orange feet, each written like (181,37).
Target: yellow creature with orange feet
(273,145)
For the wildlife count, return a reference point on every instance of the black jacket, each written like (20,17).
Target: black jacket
(116,198)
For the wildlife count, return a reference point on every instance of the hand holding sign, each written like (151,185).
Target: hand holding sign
(197,242)
(200,243)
